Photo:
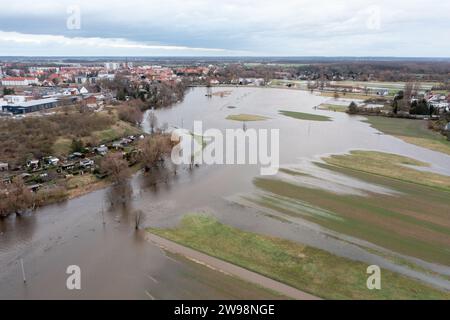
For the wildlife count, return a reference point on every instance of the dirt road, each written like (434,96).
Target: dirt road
(229,268)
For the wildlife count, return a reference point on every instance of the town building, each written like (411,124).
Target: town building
(112,65)
(19,81)
(84,91)
(20,105)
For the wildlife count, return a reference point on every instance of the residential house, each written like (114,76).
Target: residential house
(71,92)
(91,101)
(102,150)
(33,164)
(86,163)
(52,161)
(81,79)
(84,91)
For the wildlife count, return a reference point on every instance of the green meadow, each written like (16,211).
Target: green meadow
(308,269)
(411,131)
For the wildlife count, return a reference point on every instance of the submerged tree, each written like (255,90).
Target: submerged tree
(153,150)
(15,197)
(152,121)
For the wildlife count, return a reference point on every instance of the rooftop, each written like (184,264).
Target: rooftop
(30,103)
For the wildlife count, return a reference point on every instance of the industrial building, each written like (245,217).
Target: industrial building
(20,105)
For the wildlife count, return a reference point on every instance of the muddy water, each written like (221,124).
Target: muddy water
(115,260)
(117,263)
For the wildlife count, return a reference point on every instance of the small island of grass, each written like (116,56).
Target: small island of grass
(304,116)
(333,107)
(246,117)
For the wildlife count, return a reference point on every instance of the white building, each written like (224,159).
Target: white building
(84,91)
(111,65)
(106,76)
(19,81)
(71,92)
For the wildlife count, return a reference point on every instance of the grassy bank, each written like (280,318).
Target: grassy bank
(306,268)
(84,184)
(411,131)
(356,96)
(304,116)
(118,130)
(390,165)
(333,107)
(413,221)
(246,117)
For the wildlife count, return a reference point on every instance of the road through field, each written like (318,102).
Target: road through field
(230,268)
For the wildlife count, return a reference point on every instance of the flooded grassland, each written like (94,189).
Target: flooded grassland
(354,209)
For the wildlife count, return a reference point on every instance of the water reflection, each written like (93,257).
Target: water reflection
(17,229)
(119,195)
(161,177)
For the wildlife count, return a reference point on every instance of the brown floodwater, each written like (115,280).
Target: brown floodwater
(97,231)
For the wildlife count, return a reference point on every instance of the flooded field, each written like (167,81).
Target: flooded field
(115,260)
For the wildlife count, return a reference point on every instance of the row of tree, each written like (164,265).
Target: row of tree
(152,151)
(16,197)
(153,94)
(404,102)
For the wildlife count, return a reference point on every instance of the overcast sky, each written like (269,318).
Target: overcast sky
(408,28)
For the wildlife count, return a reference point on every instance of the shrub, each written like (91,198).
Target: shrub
(352,108)
(131,114)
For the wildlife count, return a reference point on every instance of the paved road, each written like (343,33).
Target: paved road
(230,268)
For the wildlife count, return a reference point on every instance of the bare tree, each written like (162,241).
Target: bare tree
(138,217)
(336,95)
(115,166)
(164,127)
(15,197)
(120,194)
(405,103)
(131,114)
(366,90)
(153,149)
(153,121)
